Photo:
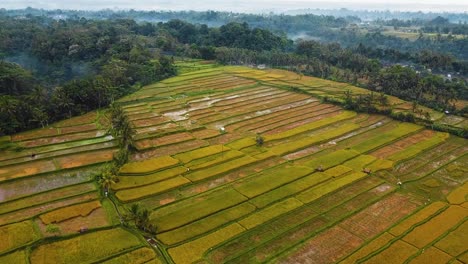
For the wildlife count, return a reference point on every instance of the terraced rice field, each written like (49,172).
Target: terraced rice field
(326,186)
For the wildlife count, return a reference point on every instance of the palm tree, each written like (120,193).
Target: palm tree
(140,217)
(107,179)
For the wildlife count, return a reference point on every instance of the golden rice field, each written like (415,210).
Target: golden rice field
(326,186)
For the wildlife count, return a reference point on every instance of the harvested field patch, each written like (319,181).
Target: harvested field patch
(399,145)
(85,159)
(349,206)
(39,133)
(205,133)
(327,247)
(379,216)
(65,213)
(170,149)
(153,121)
(62,139)
(28,169)
(96,219)
(419,147)
(78,128)
(36,210)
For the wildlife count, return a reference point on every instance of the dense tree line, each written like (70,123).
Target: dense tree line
(52,69)
(69,67)
(335,63)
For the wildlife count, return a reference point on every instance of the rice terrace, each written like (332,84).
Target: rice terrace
(238,165)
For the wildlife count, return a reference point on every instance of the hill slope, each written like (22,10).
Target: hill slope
(240,165)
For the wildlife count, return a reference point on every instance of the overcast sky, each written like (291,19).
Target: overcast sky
(242,5)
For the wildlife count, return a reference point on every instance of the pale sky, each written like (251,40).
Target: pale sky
(242,5)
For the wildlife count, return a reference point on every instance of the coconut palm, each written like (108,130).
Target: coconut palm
(107,179)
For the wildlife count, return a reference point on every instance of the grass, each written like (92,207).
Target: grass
(137,256)
(189,210)
(126,182)
(193,250)
(148,166)
(206,224)
(261,216)
(85,248)
(189,156)
(328,187)
(72,211)
(17,235)
(432,229)
(128,195)
(220,168)
(270,179)
(311,126)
